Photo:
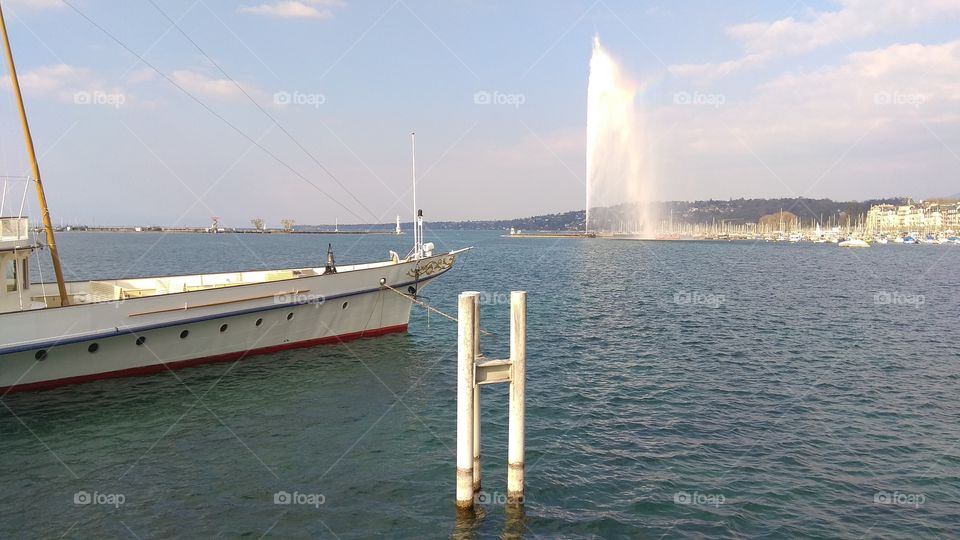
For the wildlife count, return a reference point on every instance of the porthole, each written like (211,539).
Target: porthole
(41,354)
(141,340)
(344,306)
(93,348)
(223,327)
(290,316)
(184,334)
(259,322)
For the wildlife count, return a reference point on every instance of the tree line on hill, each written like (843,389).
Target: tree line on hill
(709,211)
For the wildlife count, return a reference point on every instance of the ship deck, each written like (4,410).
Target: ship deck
(108,290)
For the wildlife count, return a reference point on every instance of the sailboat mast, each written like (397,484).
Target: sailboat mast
(44,211)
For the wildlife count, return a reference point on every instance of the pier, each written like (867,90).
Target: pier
(473,371)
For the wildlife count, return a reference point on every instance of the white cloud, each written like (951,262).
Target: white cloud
(202,85)
(764,41)
(718,69)
(141,75)
(38,4)
(295,9)
(64,82)
(883,105)
(53,78)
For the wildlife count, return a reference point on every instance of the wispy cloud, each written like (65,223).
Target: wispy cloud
(37,4)
(295,9)
(883,103)
(764,41)
(64,82)
(202,85)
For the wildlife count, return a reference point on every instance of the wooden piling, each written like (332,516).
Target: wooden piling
(518,353)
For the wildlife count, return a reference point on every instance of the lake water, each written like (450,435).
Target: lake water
(675,389)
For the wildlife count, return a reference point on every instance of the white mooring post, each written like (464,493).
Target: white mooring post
(476,399)
(474,370)
(466,354)
(518,373)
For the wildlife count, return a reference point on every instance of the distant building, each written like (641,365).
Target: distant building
(927,217)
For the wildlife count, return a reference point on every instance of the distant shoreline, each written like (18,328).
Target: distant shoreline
(134,230)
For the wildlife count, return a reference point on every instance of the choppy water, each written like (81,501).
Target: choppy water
(693,390)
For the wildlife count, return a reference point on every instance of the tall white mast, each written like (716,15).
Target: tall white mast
(416,227)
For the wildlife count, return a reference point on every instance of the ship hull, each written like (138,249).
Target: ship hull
(133,337)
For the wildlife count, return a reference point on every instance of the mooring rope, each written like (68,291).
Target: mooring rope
(429,307)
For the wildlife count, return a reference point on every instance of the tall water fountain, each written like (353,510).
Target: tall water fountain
(618,165)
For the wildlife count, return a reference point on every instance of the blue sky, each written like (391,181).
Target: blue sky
(846,99)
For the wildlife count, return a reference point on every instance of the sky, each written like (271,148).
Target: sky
(303,109)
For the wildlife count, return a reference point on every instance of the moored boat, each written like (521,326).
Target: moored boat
(124,327)
(81,331)
(854,242)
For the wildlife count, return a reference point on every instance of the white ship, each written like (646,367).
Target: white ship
(80,331)
(124,327)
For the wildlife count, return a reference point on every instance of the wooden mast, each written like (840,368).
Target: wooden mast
(44,211)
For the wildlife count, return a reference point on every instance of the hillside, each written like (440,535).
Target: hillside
(709,211)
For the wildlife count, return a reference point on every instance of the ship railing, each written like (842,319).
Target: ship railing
(14,229)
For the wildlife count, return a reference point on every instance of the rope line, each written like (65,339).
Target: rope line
(431,308)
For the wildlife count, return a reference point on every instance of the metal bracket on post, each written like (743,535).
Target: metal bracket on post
(473,370)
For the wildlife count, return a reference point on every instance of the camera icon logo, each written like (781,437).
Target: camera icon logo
(82,497)
(482,98)
(282,98)
(282,497)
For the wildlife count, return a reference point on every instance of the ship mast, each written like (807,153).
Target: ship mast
(44,211)
(417,214)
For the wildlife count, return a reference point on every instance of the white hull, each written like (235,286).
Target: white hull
(854,243)
(44,348)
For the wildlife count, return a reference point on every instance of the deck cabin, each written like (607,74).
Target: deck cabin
(15,249)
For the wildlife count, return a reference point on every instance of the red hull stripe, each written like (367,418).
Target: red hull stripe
(156,368)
